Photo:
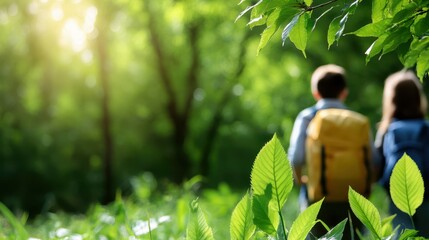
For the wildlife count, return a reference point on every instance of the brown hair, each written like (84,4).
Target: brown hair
(403,98)
(329,80)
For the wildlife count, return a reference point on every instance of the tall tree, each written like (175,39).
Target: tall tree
(180,89)
(101,43)
(178,116)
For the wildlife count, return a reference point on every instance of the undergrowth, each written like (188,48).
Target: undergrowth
(267,210)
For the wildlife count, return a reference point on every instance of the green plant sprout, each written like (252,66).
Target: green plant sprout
(258,215)
(260,210)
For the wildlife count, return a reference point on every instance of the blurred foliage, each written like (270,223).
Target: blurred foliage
(51,141)
(155,214)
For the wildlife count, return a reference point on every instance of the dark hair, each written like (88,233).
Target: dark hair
(403,98)
(407,100)
(329,81)
(331,85)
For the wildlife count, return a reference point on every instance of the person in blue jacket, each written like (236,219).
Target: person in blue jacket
(403,129)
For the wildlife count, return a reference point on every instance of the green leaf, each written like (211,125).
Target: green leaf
(265,38)
(386,226)
(339,30)
(351,7)
(395,6)
(413,52)
(242,226)
(376,47)
(304,222)
(375,29)
(267,6)
(274,20)
(407,12)
(286,31)
(378,10)
(409,234)
(338,24)
(272,26)
(247,9)
(334,27)
(308,2)
(366,212)
(198,228)
(393,40)
(261,20)
(420,28)
(336,232)
(299,33)
(271,167)
(423,64)
(19,228)
(266,214)
(271,181)
(406,185)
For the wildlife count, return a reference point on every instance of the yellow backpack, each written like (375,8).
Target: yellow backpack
(337,154)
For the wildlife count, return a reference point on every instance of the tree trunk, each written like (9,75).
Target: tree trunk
(178,117)
(41,56)
(103,58)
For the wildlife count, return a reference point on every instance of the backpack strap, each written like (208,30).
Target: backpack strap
(368,170)
(322,158)
(423,140)
(323,171)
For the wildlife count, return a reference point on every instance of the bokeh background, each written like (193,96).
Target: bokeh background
(94,93)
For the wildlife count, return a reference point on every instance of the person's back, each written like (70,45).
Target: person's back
(403,129)
(329,88)
(338,154)
(410,136)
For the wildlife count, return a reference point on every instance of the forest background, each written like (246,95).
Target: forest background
(94,93)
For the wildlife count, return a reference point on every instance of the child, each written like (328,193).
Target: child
(404,109)
(329,89)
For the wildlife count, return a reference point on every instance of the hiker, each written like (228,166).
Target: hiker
(311,156)
(403,129)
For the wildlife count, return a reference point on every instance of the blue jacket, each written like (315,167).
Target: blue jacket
(409,136)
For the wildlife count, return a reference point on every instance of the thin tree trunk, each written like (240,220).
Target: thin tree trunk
(182,122)
(101,48)
(41,56)
(178,118)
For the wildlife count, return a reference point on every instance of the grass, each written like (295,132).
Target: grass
(146,214)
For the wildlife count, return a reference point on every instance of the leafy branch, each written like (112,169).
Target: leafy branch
(409,18)
(401,28)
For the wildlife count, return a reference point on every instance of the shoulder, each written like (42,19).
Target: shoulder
(308,113)
(407,129)
(407,125)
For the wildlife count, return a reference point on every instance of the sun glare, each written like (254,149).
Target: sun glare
(57,13)
(73,35)
(75,31)
(71,21)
